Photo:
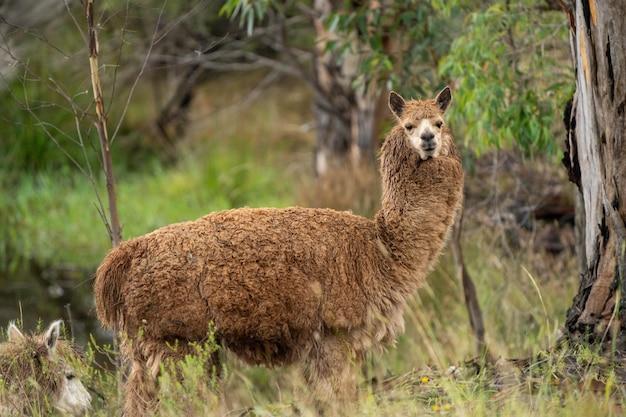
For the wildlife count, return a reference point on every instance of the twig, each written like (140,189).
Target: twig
(119,54)
(69,11)
(89,174)
(101,126)
(141,70)
(36,35)
(469,289)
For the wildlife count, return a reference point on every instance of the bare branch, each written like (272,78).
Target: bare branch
(80,30)
(141,70)
(177,21)
(469,289)
(101,126)
(119,54)
(90,175)
(36,35)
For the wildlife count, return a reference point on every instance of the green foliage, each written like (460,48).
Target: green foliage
(190,386)
(248,11)
(512,77)
(508,61)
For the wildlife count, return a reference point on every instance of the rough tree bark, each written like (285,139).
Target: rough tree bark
(596,161)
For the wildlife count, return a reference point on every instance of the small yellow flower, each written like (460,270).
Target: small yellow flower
(447,407)
(436,407)
(424,380)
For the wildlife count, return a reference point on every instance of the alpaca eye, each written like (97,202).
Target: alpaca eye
(70,376)
(438,124)
(409,127)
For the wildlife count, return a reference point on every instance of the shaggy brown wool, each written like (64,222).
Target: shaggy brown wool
(285,285)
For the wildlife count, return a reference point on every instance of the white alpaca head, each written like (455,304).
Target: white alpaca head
(35,369)
(423,123)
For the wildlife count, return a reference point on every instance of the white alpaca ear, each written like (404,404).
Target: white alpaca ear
(444,98)
(52,335)
(14,333)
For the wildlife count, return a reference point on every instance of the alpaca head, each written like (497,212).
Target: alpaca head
(35,371)
(422,122)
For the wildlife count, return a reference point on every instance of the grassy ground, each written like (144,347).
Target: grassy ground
(62,210)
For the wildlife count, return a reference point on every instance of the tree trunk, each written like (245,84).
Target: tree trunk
(346,116)
(173,117)
(595,157)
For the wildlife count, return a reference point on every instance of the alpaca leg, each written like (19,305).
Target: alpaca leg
(141,385)
(146,358)
(140,391)
(330,372)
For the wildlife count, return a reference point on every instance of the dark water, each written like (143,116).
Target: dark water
(35,294)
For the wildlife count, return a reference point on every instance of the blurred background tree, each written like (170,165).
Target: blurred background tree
(360,51)
(506,60)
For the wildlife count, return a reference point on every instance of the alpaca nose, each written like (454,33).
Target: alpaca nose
(427,136)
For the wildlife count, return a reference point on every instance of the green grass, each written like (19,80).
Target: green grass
(413,395)
(54,218)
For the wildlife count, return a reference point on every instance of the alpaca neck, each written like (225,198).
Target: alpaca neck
(419,202)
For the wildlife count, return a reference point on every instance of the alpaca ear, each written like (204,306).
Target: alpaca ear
(52,335)
(14,333)
(444,98)
(396,104)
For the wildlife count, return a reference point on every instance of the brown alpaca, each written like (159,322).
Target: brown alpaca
(35,375)
(279,286)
